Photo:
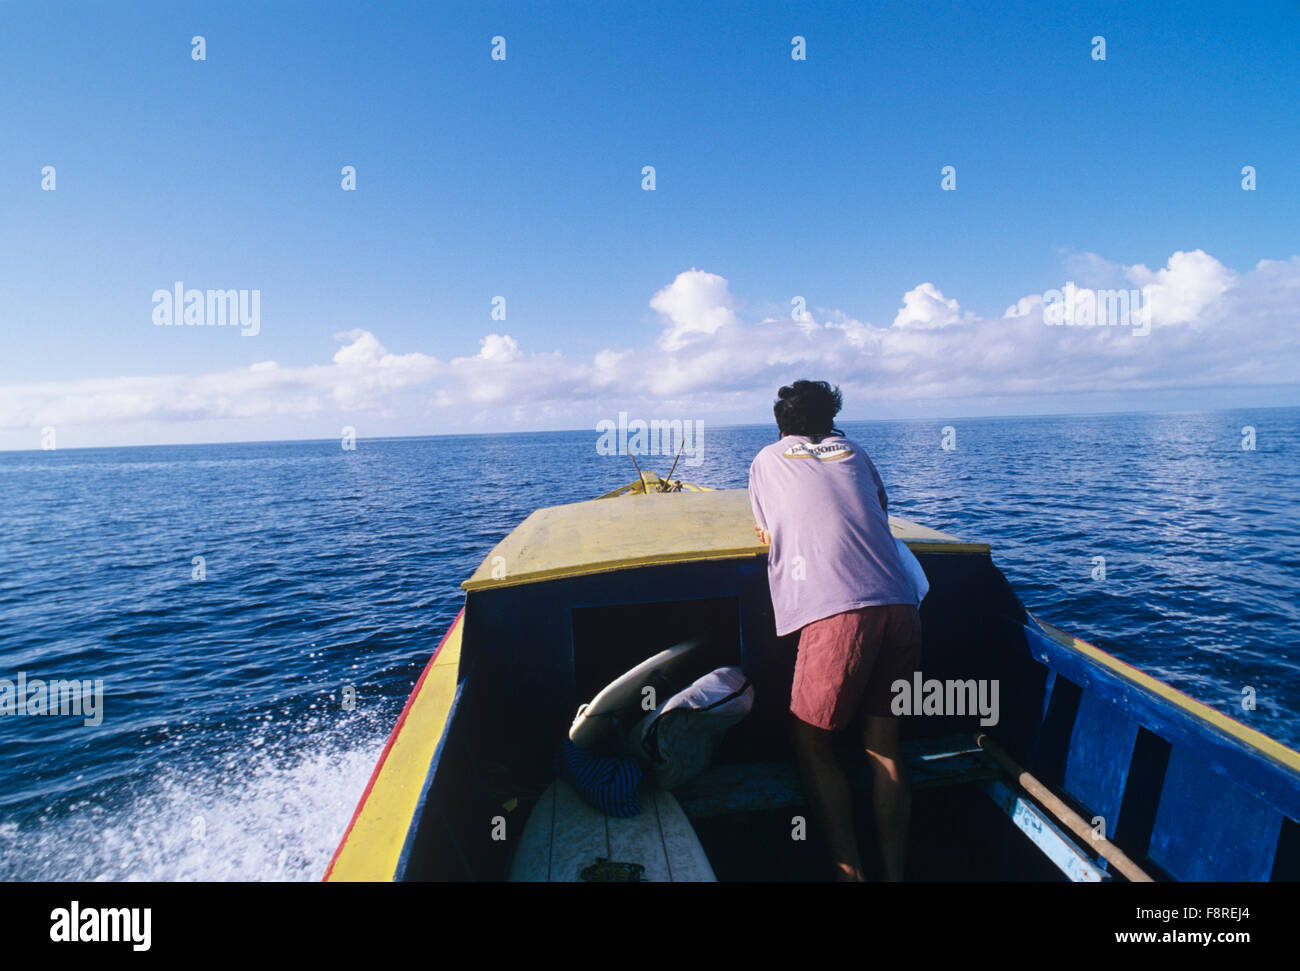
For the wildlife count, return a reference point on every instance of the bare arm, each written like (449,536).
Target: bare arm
(880,487)
(760,521)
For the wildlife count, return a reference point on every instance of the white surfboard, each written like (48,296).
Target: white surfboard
(566,839)
(623,692)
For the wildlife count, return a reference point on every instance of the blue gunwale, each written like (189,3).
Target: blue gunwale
(1261,765)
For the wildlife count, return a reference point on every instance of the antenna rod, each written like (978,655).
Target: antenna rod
(669,477)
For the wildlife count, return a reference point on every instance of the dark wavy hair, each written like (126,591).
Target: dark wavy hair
(808,408)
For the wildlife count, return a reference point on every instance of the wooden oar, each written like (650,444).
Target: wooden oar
(1067,816)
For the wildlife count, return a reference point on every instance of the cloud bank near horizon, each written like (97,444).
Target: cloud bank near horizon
(1210,327)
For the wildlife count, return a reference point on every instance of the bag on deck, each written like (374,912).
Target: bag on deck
(915,573)
(679,738)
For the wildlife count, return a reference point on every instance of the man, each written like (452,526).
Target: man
(836,577)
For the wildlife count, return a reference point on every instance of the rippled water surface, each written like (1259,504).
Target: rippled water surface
(225,751)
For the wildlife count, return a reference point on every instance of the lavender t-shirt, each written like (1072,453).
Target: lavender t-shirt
(832,550)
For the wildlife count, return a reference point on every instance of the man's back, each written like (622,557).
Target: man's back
(832,549)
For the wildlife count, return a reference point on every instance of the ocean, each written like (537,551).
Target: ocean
(258,613)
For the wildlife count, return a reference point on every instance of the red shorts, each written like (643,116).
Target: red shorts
(847,663)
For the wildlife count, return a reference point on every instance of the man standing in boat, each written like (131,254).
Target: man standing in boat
(836,577)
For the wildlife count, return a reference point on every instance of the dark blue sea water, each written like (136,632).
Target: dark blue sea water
(225,751)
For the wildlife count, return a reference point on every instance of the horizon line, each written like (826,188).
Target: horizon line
(560,431)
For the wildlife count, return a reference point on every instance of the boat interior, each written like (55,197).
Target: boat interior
(1183,796)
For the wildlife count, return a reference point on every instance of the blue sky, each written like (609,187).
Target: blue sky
(522,178)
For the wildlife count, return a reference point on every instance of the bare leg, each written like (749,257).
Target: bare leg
(828,794)
(891,792)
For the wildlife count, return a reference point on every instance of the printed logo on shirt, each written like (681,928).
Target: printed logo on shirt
(826,452)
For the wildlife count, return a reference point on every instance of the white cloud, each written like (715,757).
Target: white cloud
(1091,270)
(696,303)
(926,306)
(1025,306)
(364,349)
(1211,327)
(499,347)
(1185,288)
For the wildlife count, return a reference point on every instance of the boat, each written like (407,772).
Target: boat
(1089,769)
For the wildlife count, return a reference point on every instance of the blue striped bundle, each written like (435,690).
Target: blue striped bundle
(610,784)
